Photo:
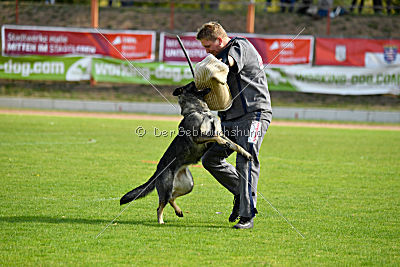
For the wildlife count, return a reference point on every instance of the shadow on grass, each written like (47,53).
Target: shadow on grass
(58,220)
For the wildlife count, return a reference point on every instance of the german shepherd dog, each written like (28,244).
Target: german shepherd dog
(198,127)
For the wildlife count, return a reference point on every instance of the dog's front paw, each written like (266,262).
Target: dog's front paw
(248,156)
(179,213)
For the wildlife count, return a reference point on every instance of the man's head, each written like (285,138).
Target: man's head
(212,37)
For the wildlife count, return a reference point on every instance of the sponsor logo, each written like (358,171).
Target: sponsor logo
(274,46)
(255,132)
(26,69)
(389,53)
(281,45)
(340,53)
(80,70)
(117,41)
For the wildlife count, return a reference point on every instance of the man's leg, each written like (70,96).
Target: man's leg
(249,171)
(214,161)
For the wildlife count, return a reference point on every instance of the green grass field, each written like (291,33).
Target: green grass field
(61,180)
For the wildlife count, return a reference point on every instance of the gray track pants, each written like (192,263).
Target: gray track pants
(247,131)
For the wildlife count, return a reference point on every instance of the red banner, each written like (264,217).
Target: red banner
(56,41)
(171,52)
(283,50)
(274,50)
(356,52)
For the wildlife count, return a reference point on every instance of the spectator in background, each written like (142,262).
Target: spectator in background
(287,4)
(396,6)
(323,7)
(389,7)
(127,3)
(267,4)
(305,5)
(214,4)
(360,7)
(377,6)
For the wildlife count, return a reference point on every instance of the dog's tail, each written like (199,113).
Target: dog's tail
(138,192)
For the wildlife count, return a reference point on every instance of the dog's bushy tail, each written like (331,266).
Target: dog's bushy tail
(138,192)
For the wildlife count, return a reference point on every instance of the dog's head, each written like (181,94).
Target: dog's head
(191,99)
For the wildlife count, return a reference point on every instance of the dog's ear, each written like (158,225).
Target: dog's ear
(190,86)
(178,91)
(204,92)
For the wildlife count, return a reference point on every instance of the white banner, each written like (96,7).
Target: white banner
(337,80)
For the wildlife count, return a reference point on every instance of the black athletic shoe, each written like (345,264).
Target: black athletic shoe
(244,223)
(235,211)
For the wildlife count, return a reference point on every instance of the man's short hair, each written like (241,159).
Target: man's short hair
(211,31)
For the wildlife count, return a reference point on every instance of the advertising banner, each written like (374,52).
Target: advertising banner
(171,52)
(120,71)
(57,41)
(277,50)
(45,68)
(322,80)
(336,80)
(357,52)
(283,50)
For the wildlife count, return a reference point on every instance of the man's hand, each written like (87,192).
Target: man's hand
(231,61)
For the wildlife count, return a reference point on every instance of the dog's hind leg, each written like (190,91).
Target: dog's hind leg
(183,184)
(160,211)
(178,210)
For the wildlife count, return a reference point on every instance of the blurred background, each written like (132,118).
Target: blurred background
(346,19)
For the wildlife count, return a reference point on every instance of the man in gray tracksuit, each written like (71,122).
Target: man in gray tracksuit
(245,122)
